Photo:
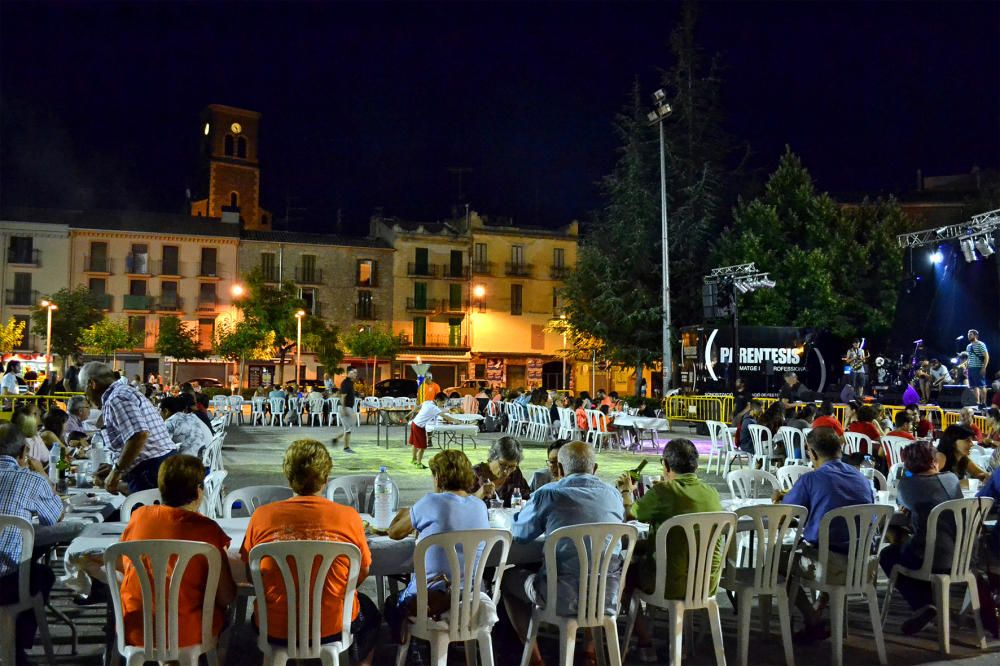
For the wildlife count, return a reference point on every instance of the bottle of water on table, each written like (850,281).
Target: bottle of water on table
(55,455)
(382,516)
(868,469)
(515,500)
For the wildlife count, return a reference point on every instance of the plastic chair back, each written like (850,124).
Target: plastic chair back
(795,442)
(715,429)
(789,474)
(595,545)
(762,444)
(212,503)
(968,516)
(135,500)
(159,566)
(892,445)
(358,491)
(895,474)
(304,594)
(854,441)
(749,483)
(706,534)
(253,497)
(866,526)
(27,534)
(777,530)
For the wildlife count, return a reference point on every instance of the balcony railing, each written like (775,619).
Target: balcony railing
(138,264)
(104,301)
(482,268)
(518,270)
(170,268)
(448,306)
(210,270)
(97,264)
(22,297)
(305,275)
(269,273)
(170,304)
(23,257)
(365,312)
(558,272)
(137,303)
(438,341)
(448,271)
(207,304)
(420,270)
(413,305)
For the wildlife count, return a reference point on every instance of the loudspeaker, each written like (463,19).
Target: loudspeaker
(951,396)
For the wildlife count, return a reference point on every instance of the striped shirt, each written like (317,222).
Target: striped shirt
(23,493)
(977,353)
(126,413)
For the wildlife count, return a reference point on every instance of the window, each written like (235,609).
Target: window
(479,261)
(420,295)
(516,299)
(228,148)
(171,266)
(419,330)
(98,260)
(136,287)
(309,297)
(454,297)
(137,329)
(25,341)
(234,200)
(206,294)
(559,257)
(208,256)
(517,255)
(168,294)
(366,273)
(269,266)
(365,308)
(455,332)
(97,286)
(138,259)
(22,290)
(420,261)
(206,329)
(21,250)
(241,147)
(455,264)
(307,271)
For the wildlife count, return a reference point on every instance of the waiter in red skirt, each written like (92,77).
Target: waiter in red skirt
(425,416)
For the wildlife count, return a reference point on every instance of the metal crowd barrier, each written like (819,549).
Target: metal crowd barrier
(694,408)
(982,422)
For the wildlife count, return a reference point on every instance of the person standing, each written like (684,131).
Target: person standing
(979,360)
(425,416)
(134,430)
(9,383)
(857,357)
(328,382)
(429,388)
(348,415)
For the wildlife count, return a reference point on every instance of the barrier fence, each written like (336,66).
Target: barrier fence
(9,402)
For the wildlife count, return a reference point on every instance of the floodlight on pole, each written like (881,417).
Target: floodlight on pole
(660,113)
(49,308)
(298,344)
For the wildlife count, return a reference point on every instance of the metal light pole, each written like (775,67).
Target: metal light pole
(563,317)
(298,345)
(658,116)
(49,307)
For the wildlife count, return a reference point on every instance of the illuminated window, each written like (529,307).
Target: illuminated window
(516,299)
(366,273)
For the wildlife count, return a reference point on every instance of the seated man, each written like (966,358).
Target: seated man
(965,417)
(180,482)
(578,497)
(309,516)
(904,425)
(921,426)
(188,431)
(23,493)
(551,473)
(750,417)
(681,492)
(833,484)
(826,419)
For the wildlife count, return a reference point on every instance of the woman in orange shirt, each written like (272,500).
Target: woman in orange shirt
(180,483)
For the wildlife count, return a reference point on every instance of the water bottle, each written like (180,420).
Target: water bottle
(515,499)
(382,517)
(55,455)
(868,469)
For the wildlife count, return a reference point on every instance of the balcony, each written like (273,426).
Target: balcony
(364,312)
(419,270)
(439,342)
(19,297)
(97,265)
(518,270)
(448,307)
(104,301)
(170,268)
(137,303)
(269,273)
(138,264)
(482,268)
(23,257)
(449,272)
(308,275)
(209,270)
(207,304)
(170,303)
(558,272)
(413,305)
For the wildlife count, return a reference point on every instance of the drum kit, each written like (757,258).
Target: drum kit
(892,372)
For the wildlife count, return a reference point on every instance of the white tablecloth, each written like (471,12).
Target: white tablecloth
(641,423)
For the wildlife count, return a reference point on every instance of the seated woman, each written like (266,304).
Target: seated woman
(581,416)
(309,516)
(991,438)
(865,424)
(448,509)
(180,483)
(25,419)
(953,454)
(918,495)
(501,474)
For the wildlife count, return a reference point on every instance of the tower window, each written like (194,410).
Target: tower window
(234,200)
(241,147)
(229,144)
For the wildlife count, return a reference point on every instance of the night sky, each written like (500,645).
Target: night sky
(369,105)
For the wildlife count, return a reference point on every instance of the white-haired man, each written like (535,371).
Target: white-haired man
(577,497)
(133,429)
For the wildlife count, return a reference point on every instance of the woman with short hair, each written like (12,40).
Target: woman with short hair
(501,474)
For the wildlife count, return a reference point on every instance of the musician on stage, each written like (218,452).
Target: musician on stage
(939,376)
(857,357)
(979,360)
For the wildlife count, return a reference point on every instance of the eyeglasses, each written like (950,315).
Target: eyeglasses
(507,466)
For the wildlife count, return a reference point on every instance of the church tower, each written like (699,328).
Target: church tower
(229,175)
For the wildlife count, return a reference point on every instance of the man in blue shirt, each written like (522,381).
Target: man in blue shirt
(576,498)
(833,484)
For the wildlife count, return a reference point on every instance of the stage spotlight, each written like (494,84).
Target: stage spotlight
(936,257)
(968,250)
(984,247)
(954,361)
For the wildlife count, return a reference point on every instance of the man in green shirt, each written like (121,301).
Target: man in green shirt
(681,492)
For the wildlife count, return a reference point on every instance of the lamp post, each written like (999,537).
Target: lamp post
(658,115)
(237,292)
(49,307)
(563,318)
(298,344)
(478,293)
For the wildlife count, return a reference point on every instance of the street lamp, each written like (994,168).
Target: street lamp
(563,318)
(659,114)
(237,290)
(298,344)
(49,307)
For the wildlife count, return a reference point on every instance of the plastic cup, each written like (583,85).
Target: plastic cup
(883,497)
(973,485)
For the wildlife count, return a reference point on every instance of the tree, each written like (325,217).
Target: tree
(836,269)
(109,336)
(241,342)
(323,339)
(272,309)
(78,309)
(11,334)
(374,342)
(178,339)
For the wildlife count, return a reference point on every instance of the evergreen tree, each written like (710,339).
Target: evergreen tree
(78,309)
(178,339)
(273,309)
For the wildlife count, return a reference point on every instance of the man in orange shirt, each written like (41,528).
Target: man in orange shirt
(180,482)
(308,516)
(430,388)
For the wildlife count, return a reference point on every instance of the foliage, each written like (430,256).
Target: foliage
(323,339)
(178,339)
(836,269)
(78,309)
(242,341)
(273,310)
(11,334)
(374,342)
(109,336)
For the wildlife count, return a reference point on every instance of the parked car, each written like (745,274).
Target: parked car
(468,387)
(206,382)
(396,388)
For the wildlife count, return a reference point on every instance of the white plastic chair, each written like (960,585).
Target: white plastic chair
(25,600)
(892,445)
(135,500)
(295,411)
(896,473)
(304,597)
(211,456)
(257,410)
(789,474)
(236,408)
(597,429)
(763,446)
(881,483)
(358,491)
(315,403)
(716,453)
(159,565)
(333,405)
(865,526)
(731,452)
(464,620)
(253,497)
(854,441)
(212,502)
(777,529)
(220,405)
(746,483)
(707,534)
(795,442)
(567,423)
(968,515)
(596,546)
(277,410)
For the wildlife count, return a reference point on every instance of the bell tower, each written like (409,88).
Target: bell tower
(229,173)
